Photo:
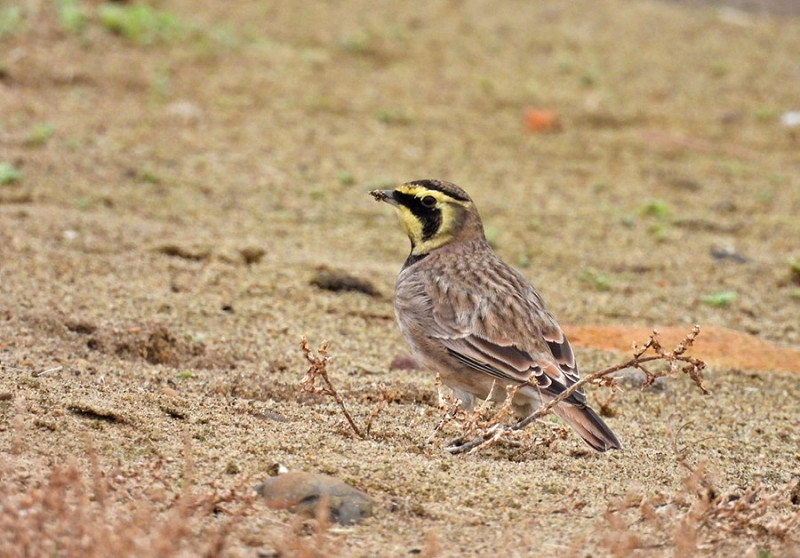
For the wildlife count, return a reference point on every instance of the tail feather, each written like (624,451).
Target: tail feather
(589,425)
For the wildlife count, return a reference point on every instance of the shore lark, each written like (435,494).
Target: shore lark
(474,319)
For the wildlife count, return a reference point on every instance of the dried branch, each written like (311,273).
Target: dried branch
(378,408)
(699,516)
(677,359)
(450,406)
(318,369)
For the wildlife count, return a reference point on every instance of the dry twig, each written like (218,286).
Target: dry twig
(677,359)
(379,407)
(318,369)
(450,406)
(699,516)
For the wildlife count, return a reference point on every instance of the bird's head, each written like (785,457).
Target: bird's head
(433,213)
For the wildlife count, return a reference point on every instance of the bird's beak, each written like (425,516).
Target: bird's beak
(385,196)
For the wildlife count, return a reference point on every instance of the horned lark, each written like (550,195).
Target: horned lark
(475,320)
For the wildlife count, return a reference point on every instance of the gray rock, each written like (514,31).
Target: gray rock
(302,492)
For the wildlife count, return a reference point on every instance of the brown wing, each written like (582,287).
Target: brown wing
(506,333)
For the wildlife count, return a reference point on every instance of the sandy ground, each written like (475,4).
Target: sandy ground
(177,194)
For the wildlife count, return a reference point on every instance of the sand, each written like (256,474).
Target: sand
(178,189)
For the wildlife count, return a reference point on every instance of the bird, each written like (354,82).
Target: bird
(477,321)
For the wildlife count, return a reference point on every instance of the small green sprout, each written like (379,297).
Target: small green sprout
(523,260)
(655,208)
(12,19)
(359,42)
(722,299)
(40,134)
(139,23)
(658,231)
(345,178)
(492,236)
(766,114)
(9,173)
(598,280)
(72,15)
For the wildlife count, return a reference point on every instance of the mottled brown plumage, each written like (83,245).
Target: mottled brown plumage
(475,320)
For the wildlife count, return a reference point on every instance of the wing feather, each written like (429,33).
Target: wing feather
(511,338)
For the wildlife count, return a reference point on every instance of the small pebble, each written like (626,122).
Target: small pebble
(302,492)
(402,362)
(332,280)
(184,110)
(795,494)
(791,118)
(252,254)
(194,253)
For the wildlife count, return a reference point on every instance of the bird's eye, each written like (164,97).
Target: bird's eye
(428,201)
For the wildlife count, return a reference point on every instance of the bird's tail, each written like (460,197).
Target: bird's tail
(589,425)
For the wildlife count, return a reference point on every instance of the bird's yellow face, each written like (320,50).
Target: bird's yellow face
(431,214)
